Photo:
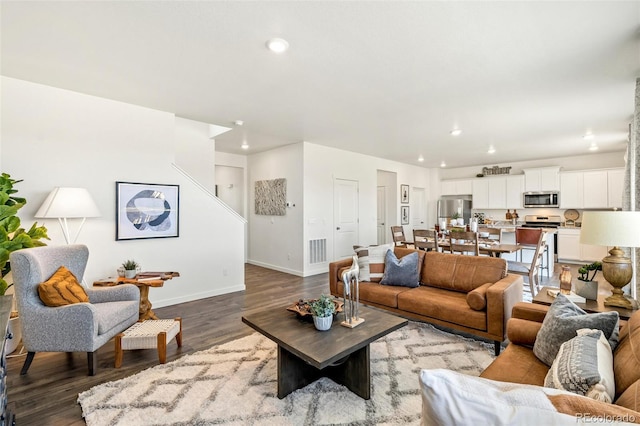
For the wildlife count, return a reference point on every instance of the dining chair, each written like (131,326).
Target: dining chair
(464,242)
(425,239)
(531,270)
(397,232)
(528,238)
(494,234)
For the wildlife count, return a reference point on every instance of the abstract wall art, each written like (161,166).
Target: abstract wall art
(271,197)
(146,210)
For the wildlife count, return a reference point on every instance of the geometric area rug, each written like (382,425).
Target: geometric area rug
(235,384)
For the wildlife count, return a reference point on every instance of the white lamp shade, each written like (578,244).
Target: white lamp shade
(611,228)
(68,203)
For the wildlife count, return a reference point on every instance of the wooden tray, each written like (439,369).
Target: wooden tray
(303,310)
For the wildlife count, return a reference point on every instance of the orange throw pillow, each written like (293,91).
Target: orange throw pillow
(62,289)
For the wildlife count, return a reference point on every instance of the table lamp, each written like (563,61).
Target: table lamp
(68,203)
(613,229)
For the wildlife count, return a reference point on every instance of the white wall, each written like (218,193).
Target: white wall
(276,241)
(53,137)
(322,165)
(195,152)
(230,186)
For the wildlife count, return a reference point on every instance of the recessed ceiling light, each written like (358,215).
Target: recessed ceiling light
(278,45)
(244,145)
(421,158)
(588,136)
(593,147)
(238,122)
(456,132)
(443,164)
(491,150)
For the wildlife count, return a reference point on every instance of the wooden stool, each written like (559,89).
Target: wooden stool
(149,334)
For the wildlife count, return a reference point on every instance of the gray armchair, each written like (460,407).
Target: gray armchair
(81,327)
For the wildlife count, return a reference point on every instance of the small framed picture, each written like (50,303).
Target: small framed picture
(404,194)
(404,215)
(146,210)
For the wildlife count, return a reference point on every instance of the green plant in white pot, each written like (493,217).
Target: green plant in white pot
(130,268)
(323,310)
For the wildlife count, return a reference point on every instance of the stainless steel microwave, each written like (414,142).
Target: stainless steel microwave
(541,199)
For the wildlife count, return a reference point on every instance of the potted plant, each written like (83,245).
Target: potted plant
(584,271)
(12,238)
(586,286)
(323,310)
(130,268)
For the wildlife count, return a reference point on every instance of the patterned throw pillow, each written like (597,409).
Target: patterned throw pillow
(561,323)
(584,365)
(371,261)
(62,289)
(402,272)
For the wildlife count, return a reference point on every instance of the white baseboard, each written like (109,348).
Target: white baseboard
(277,268)
(197,296)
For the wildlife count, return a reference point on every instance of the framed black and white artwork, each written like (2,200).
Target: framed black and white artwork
(404,194)
(147,210)
(404,215)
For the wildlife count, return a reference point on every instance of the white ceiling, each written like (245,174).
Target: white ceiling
(389,79)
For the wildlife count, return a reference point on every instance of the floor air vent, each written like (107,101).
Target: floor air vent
(318,250)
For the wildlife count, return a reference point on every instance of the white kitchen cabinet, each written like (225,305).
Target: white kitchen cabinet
(571,190)
(595,189)
(515,188)
(569,244)
(615,187)
(480,191)
(497,192)
(570,249)
(542,179)
(456,187)
(591,189)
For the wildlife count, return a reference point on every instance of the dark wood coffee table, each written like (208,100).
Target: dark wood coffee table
(306,354)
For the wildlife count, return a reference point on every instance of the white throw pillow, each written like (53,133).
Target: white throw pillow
(451,398)
(584,365)
(371,261)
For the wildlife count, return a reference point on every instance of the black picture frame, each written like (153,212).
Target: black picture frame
(404,194)
(404,215)
(147,210)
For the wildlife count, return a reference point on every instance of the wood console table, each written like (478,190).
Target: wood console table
(143,281)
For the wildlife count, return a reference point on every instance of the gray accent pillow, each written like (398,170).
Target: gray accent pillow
(401,272)
(563,320)
(584,366)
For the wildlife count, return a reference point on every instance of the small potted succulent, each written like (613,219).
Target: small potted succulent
(323,310)
(130,268)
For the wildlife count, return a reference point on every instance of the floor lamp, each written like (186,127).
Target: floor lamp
(613,229)
(68,203)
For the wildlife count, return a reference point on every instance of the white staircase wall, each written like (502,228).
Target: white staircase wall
(54,137)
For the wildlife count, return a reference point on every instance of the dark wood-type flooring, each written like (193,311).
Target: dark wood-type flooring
(47,394)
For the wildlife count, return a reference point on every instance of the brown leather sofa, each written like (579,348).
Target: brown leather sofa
(518,364)
(450,285)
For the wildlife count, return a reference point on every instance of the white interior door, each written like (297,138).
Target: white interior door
(418,208)
(382,214)
(345,193)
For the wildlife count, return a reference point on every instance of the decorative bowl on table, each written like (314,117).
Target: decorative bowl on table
(302,308)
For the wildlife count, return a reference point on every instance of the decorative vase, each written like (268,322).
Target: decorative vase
(323,323)
(121,271)
(565,280)
(130,273)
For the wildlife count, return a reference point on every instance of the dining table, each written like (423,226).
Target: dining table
(490,248)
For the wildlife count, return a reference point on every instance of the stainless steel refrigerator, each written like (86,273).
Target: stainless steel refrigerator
(449,204)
